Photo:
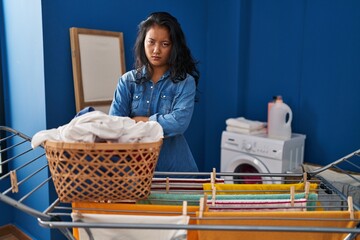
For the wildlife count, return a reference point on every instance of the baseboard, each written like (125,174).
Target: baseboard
(10,231)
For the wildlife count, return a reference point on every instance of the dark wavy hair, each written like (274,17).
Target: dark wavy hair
(181,61)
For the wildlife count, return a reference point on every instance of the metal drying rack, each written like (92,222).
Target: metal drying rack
(21,165)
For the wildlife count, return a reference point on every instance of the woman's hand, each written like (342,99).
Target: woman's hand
(141,119)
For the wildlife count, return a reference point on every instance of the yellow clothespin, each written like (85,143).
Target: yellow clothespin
(351,207)
(14,182)
(292,196)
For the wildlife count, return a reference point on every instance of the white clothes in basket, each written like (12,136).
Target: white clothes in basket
(96,125)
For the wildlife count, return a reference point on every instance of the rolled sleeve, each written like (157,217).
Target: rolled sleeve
(121,102)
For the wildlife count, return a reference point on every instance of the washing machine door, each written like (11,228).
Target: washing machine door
(244,163)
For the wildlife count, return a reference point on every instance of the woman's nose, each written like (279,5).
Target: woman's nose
(156,48)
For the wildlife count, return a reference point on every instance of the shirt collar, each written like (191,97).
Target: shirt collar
(165,76)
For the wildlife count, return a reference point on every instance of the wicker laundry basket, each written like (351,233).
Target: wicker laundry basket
(109,172)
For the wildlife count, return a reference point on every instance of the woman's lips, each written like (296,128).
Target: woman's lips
(156,58)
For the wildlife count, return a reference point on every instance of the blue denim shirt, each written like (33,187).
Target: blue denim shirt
(170,104)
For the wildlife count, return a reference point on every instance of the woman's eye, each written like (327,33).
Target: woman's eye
(166,44)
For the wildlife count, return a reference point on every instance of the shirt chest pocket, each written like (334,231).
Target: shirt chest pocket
(165,102)
(135,105)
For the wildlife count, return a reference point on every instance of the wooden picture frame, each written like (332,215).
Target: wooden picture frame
(98,60)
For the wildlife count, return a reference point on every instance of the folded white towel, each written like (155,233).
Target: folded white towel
(127,233)
(258,205)
(96,125)
(241,122)
(245,130)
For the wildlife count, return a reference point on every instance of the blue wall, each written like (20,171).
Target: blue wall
(306,51)
(24,90)
(7,213)
(309,52)
(223,88)
(330,103)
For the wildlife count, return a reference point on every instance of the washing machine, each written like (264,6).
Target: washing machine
(242,153)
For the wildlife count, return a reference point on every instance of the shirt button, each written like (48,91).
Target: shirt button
(151,86)
(147,101)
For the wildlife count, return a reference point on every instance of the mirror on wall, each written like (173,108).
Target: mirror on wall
(98,60)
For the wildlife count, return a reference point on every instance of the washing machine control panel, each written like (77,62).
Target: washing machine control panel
(253,145)
(261,149)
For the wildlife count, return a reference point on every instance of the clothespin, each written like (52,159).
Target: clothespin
(202,203)
(351,207)
(78,214)
(307,189)
(184,208)
(213,196)
(292,196)
(213,177)
(167,184)
(201,207)
(14,182)
(305,177)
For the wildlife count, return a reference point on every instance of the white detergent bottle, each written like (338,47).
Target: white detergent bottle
(279,123)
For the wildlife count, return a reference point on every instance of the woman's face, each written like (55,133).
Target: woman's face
(158,46)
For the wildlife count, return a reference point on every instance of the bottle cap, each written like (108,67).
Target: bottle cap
(278,98)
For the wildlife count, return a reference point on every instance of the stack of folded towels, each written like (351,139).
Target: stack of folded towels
(245,126)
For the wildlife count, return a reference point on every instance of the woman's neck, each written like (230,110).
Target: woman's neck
(158,72)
